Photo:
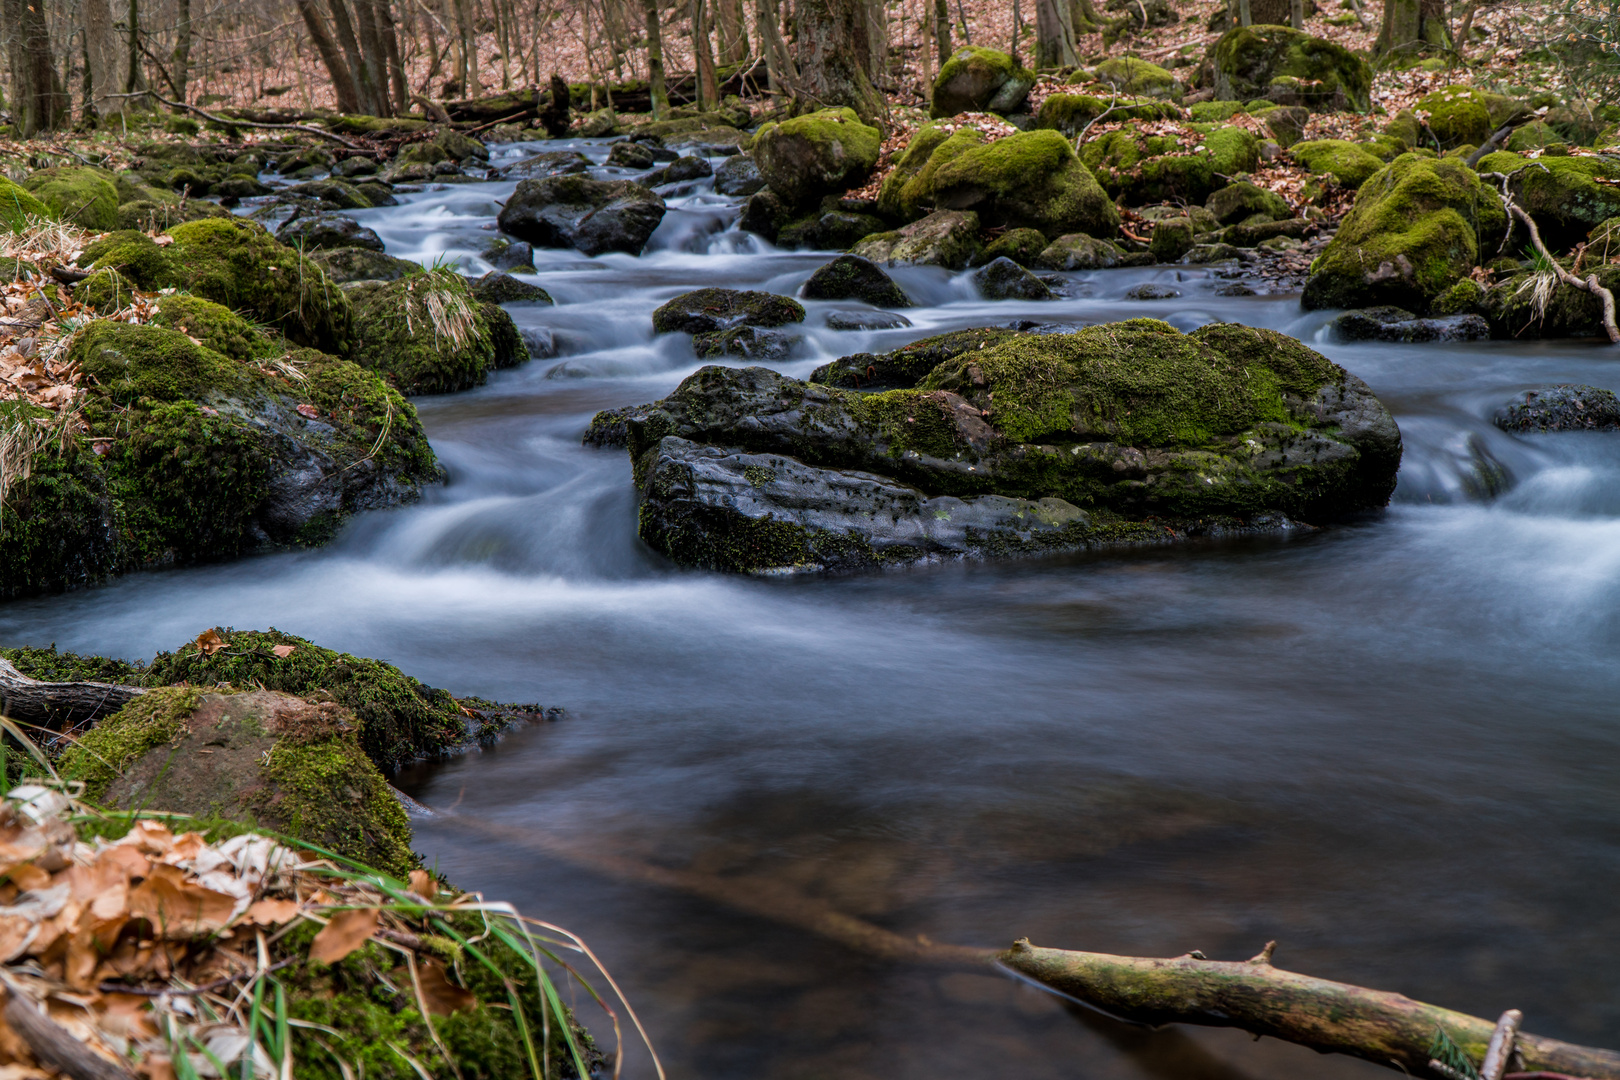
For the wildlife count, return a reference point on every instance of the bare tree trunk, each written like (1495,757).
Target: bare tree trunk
(105,56)
(135,78)
(1412,25)
(733,24)
(1054,34)
(468,36)
(342,77)
(1296,14)
(832,45)
(373,72)
(942,30)
(877,42)
(396,65)
(180,58)
(37,100)
(351,52)
(708,86)
(656,88)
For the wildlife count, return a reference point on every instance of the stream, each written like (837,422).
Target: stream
(1391,745)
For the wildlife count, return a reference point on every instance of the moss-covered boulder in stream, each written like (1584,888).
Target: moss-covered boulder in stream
(816,154)
(1350,164)
(1030,180)
(1417,226)
(1512,309)
(1127,432)
(1568,196)
(1289,67)
(17,205)
(425,333)
(79,194)
(976,79)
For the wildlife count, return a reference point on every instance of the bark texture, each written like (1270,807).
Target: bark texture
(834,48)
(37,99)
(1413,25)
(58,705)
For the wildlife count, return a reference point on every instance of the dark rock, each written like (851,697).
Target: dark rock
(738,176)
(764,214)
(238,186)
(683,169)
(850,277)
(550,163)
(1244,236)
(705,311)
(313,232)
(377,192)
(333,194)
(905,366)
(1289,67)
(505,255)
(1006,280)
(1150,291)
(1565,407)
(1394,324)
(1234,288)
(1172,238)
(629,155)
(540,342)
(749,342)
(498,288)
(509,348)
(595,216)
(976,79)
(610,427)
(830,229)
(354,166)
(866,320)
(344,265)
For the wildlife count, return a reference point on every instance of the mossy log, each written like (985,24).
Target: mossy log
(58,705)
(1329,1017)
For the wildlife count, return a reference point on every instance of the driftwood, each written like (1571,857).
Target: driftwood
(1330,1017)
(58,706)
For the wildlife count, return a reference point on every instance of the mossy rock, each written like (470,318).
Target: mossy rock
(1532,136)
(17,205)
(948,238)
(218,328)
(80,194)
(105,291)
(1242,201)
(1417,226)
(1172,238)
(134,255)
(426,333)
(267,758)
(1349,164)
(350,264)
(1458,115)
(1568,196)
(977,79)
(1030,180)
(909,187)
(1382,145)
(237,263)
(1289,67)
(906,366)
(1214,112)
(1077,251)
(1232,151)
(1022,246)
(1467,297)
(851,277)
(707,310)
(1140,168)
(1129,75)
(60,524)
(815,154)
(1509,308)
(150,215)
(1069,113)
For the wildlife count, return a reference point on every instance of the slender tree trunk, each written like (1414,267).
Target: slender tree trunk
(104,56)
(1054,34)
(180,59)
(465,26)
(351,52)
(656,89)
(331,56)
(1413,25)
(396,64)
(1296,14)
(733,31)
(773,74)
(1245,18)
(942,30)
(37,101)
(708,87)
(877,41)
(373,72)
(833,44)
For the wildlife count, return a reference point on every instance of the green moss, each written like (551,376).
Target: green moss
(979,79)
(1465,297)
(704,309)
(1022,246)
(1028,180)
(237,263)
(1214,112)
(1425,218)
(1289,67)
(1532,136)
(362,406)
(1351,165)
(80,194)
(909,187)
(134,255)
(105,291)
(1568,196)
(1154,168)
(17,205)
(1457,115)
(401,719)
(147,215)
(58,525)
(50,665)
(134,362)
(399,335)
(1232,150)
(217,327)
(814,154)
(107,750)
(1242,201)
(1130,75)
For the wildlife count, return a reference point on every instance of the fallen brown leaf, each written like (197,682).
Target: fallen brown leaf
(442,996)
(210,642)
(177,908)
(270,912)
(423,884)
(347,931)
(284,651)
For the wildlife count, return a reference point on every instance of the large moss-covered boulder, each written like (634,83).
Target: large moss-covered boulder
(80,194)
(426,333)
(1141,168)
(1029,180)
(1130,75)
(908,190)
(1118,433)
(816,154)
(1568,196)
(1243,200)
(976,79)
(1349,164)
(151,215)
(1457,115)
(136,256)
(948,238)
(1289,67)
(1512,307)
(1417,226)
(573,211)
(1070,113)
(17,205)
(237,263)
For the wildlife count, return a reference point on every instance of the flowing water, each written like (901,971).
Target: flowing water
(1391,745)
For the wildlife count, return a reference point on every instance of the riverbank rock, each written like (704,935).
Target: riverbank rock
(707,311)
(1414,230)
(976,79)
(80,194)
(906,366)
(1243,200)
(1394,324)
(427,333)
(1029,180)
(311,232)
(850,277)
(1004,279)
(738,176)
(1568,196)
(1348,163)
(948,238)
(1565,407)
(1289,67)
(1077,251)
(816,154)
(498,288)
(1510,307)
(1118,433)
(594,216)
(349,264)
(1022,246)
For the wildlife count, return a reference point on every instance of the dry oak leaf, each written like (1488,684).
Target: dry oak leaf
(423,885)
(284,651)
(178,908)
(271,912)
(347,931)
(210,642)
(442,996)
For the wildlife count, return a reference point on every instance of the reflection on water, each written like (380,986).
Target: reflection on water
(1391,746)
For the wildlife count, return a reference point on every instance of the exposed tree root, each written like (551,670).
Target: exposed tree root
(1588,284)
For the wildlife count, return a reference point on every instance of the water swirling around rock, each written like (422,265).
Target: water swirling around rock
(1390,745)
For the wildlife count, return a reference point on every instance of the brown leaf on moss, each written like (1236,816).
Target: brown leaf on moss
(210,642)
(423,885)
(442,996)
(347,931)
(285,651)
(271,912)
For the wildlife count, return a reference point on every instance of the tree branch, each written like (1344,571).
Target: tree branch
(58,706)
(226,120)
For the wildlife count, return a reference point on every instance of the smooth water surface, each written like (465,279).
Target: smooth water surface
(1391,745)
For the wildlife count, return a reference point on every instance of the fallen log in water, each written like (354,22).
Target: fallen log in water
(58,706)
(1329,1017)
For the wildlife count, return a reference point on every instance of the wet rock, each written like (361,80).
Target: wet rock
(1077,251)
(850,277)
(594,216)
(344,265)
(377,192)
(503,254)
(1151,291)
(976,79)
(1394,324)
(498,288)
(1006,280)
(749,342)
(243,187)
(831,228)
(333,194)
(539,341)
(1172,238)
(1201,254)
(1235,288)
(738,176)
(1510,308)
(426,333)
(685,169)
(705,311)
(550,163)
(815,154)
(711,142)
(1243,200)
(1565,407)
(629,155)
(1263,231)
(905,366)
(311,232)
(354,166)
(866,320)
(764,214)
(1022,246)
(948,238)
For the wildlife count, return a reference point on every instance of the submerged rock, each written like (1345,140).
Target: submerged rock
(1004,279)
(549,163)
(1565,407)
(749,342)
(1151,291)
(594,216)
(1394,324)
(850,277)
(1113,433)
(866,320)
(505,255)
(311,232)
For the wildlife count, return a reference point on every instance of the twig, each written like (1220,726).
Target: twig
(1501,1046)
(1080,139)
(492,123)
(1589,284)
(205,988)
(228,121)
(1488,145)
